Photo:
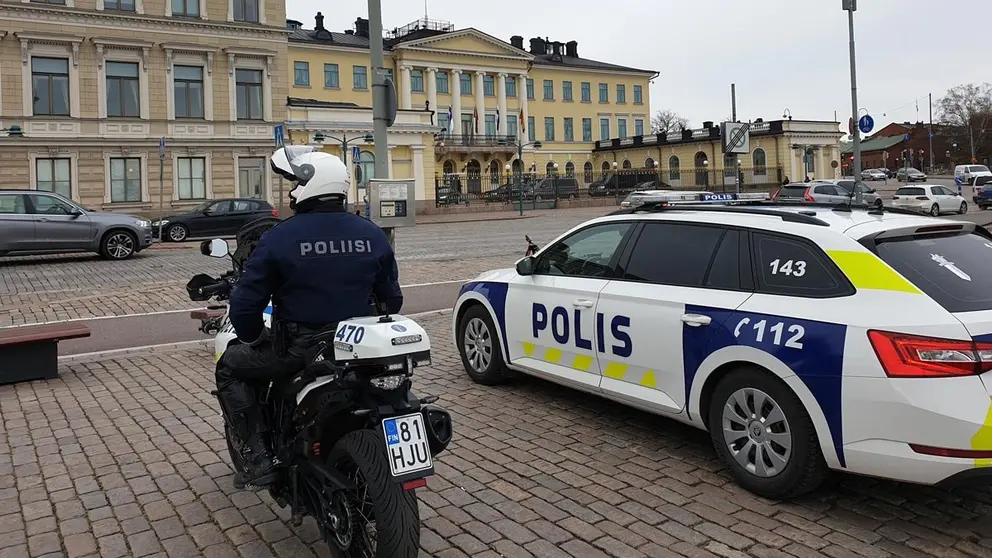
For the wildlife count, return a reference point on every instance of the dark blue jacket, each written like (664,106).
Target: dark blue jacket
(318,268)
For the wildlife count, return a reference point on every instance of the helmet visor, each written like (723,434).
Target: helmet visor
(281,160)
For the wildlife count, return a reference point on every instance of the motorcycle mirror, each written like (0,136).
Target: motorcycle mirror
(218,248)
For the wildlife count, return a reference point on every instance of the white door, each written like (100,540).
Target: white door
(950,200)
(553,327)
(679,285)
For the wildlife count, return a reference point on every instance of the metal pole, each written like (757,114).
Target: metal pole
(379,91)
(733,102)
(161,193)
(930,96)
(859,199)
(520,175)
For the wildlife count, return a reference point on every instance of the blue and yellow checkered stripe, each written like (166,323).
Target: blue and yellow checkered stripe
(587,363)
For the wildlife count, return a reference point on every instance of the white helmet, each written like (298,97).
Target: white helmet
(316,174)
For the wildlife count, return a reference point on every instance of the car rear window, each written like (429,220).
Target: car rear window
(955,271)
(797,191)
(910,192)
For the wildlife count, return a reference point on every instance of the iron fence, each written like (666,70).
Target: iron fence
(472,188)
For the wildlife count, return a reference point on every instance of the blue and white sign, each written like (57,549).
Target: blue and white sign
(280,135)
(866,124)
(355,150)
(161,146)
(906,137)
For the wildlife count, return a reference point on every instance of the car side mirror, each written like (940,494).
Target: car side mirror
(75,212)
(526,266)
(216,248)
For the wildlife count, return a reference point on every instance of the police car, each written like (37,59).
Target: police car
(803,338)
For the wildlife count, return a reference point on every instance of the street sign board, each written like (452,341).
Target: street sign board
(906,137)
(280,135)
(355,152)
(850,126)
(866,124)
(161,146)
(735,137)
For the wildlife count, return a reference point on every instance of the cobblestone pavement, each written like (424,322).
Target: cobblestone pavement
(50,288)
(125,457)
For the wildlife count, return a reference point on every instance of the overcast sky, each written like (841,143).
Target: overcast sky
(781,53)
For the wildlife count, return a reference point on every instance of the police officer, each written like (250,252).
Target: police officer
(318,267)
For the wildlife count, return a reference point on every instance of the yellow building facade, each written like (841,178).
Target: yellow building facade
(468,101)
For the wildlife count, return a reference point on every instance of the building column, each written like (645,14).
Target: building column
(792,165)
(820,167)
(501,103)
(406,90)
(480,101)
(418,171)
(455,86)
(389,159)
(522,96)
(431,78)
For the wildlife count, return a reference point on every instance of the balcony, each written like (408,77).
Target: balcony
(475,143)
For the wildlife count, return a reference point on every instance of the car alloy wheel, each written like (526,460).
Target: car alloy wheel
(178,233)
(120,246)
(478,344)
(935,210)
(964,208)
(757,432)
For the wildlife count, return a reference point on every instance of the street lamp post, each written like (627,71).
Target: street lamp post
(850,6)
(319,138)
(520,175)
(555,170)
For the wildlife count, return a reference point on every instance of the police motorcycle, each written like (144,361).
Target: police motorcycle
(353,442)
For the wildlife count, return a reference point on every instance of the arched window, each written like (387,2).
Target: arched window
(570,169)
(674,168)
(606,166)
(494,168)
(626,164)
(474,171)
(518,167)
(702,169)
(758,162)
(449,167)
(587,172)
(649,163)
(549,169)
(366,168)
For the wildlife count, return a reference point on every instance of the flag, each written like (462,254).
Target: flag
(497,119)
(451,121)
(523,123)
(475,114)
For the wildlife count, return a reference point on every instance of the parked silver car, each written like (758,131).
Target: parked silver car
(35,222)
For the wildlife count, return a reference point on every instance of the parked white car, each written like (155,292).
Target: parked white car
(966,174)
(873,174)
(929,198)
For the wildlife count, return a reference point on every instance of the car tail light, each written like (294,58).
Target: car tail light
(775,195)
(912,356)
(275,212)
(924,198)
(956,453)
(808,196)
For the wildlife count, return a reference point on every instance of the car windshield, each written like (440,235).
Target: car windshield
(953,270)
(910,192)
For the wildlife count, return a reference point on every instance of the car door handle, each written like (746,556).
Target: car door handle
(696,320)
(583,303)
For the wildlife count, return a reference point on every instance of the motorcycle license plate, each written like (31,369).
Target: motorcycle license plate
(406,445)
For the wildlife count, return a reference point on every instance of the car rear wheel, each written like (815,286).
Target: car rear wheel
(118,245)
(878,203)
(178,233)
(935,210)
(762,432)
(964,208)
(479,347)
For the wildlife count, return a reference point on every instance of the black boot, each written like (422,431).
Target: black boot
(240,406)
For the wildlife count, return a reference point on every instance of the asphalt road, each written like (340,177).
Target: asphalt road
(177,327)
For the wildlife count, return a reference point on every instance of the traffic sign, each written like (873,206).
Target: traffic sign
(866,124)
(161,146)
(355,152)
(736,137)
(906,137)
(279,131)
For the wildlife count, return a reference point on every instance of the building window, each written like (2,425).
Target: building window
(360,77)
(587,172)
(569,131)
(50,81)
(192,178)
(490,125)
(758,162)
(488,86)
(549,90)
(621,127)
(123,92)
(674,172)
(586,92)
(59,2)
(249,88)
(465,84)
(570,169)
(549,128)
(530,89)
(443,122)
(511,87)
(301,74)
(417,81)
(187,90)
(566,91)
(621,93)
(604,93)
(587,129)
(531,133)
(638,127)
(125,180)
(442,82)
(332,79)
(53,175)
(119,5)
(638,95)
(604,129)
(511,125)
(246,10)
(185,8)
(251,177)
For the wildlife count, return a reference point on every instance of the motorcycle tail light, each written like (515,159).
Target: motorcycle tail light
(388,383)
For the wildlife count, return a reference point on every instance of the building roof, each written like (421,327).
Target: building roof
(873,144)
(352,40)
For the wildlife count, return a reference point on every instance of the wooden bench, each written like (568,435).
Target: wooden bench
(32,352)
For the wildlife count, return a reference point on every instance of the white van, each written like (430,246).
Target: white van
(966,174)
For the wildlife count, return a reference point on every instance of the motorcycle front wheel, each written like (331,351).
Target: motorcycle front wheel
(385,519)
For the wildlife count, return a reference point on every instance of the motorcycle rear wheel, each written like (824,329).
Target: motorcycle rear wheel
(379,500)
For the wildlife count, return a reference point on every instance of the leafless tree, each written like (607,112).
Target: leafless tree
(668,121)
(967,110)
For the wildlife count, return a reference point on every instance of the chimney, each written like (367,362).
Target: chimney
(572,49)
(293,24)
(319,22)
(517,41)
(537,46)
(362,27)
